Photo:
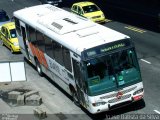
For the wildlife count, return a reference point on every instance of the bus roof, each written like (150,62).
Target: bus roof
(72,31)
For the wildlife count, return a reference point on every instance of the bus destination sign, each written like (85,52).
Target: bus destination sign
(107,48)
(113,47)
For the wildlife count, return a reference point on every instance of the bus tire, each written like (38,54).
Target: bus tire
(141,103)
(38,68)
(75,98)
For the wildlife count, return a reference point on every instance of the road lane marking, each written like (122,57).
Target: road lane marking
(156,111)
(135,29)
(146,61)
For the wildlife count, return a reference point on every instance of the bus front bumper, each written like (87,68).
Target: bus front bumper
(116,105)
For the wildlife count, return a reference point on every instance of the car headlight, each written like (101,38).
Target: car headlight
(102,15)
(50,2)
(89,18)
(16,44)
(98,104)
(138,91)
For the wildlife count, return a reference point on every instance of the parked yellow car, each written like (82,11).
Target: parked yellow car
(9,38)
(89,10)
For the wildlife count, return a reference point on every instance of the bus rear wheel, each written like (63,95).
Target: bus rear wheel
(38,67)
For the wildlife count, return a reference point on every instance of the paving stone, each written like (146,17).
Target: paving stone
(13,95)
(20,100)
(40,112)
(33,100)
(31,93)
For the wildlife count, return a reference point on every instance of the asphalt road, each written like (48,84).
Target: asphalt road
(147,45)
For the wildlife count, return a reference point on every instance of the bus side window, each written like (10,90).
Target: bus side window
(40,41)
(67,59)
(58,53)
(32,35)
(49,47)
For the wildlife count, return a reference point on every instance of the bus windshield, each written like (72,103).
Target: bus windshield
(112,72)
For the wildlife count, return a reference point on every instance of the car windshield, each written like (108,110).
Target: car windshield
(90,8)
(3,18)
(13,33)
(111,72)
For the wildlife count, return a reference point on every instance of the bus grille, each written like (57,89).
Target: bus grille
(115,94)
(120,105)
(122,98)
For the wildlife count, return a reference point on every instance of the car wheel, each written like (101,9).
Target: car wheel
(38,67)
(2,43)
(12,51)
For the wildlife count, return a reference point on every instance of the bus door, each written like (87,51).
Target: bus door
(24,43)
(79,82)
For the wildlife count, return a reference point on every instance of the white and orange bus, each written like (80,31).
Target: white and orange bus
(98,66)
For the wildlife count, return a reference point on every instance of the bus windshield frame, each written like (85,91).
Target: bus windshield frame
(112,70)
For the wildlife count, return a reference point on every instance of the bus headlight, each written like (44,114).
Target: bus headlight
(98,104)
(138,91)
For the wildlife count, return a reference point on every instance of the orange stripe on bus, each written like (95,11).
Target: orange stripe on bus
(44,61)
(39,54)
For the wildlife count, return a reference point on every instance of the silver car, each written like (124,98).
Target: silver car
(52,2)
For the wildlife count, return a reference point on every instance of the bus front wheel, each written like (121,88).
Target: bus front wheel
(38,67)
(75,98)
